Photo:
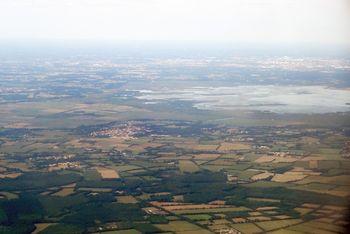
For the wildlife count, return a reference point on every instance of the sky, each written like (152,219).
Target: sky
(252,21)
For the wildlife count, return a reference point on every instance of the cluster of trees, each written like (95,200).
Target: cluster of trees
(38,180)
(199,187)
(19,215)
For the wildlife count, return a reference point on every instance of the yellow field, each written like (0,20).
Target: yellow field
(281,217)
(311,205)
(309,140)
(205,147)
(288,176)
(340,193)
(9,195)
(64,192)
(221,221)
(10,175)
(181,227)
(218,227)
(196,146)
(303,211)
(137,148)
(313,164)
(305,171)
(172,206)
(334,208)
(126,199)
(211,210)
(189,208)
(275,159)
(259,218)
(286,159)
(247,228)
(154,210)
(262,176)
(188,166)
(41,226)
(107,173)
(276,224)
(227,146)
(265,158)
(178,198)
(206,156)
(264,208)
(324,220)
(110,143)
(239,220)
(223,162)
(167,154)
(78,143)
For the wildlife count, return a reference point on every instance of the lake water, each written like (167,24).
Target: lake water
(280,99)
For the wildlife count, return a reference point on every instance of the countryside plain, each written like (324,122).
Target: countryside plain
(175,144)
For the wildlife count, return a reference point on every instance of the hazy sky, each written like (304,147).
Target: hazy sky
(252,21)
